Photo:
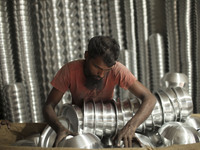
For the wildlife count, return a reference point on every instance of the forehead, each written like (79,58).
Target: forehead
(98,61)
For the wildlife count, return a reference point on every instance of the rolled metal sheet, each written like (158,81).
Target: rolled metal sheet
(157,49)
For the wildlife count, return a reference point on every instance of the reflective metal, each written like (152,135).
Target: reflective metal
(48,135)
(178,133)
(185,102)
(174,101)
(193,121)
(175,80)
(16,105)
(99,122)
(88,120)
(109,119)
(157,50)
(74,115)
(85,141)
(168,111)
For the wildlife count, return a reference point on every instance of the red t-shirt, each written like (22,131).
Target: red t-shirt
(71,77)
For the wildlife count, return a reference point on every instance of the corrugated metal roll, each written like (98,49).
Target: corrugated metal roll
(143,49)
(157,60)
(25,47)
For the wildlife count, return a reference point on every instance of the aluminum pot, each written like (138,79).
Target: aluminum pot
(178,133)
(85,141)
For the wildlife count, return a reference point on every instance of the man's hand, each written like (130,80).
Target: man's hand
(5,122)
(61,135)
(127,134)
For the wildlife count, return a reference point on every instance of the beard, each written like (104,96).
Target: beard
(92,82)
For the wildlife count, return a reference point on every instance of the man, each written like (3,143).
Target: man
(94,78)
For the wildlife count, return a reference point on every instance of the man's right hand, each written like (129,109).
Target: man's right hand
(61,134)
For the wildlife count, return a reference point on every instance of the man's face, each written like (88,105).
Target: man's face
(95,71)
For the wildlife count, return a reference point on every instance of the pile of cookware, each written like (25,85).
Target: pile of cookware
(105,118)
(178,133)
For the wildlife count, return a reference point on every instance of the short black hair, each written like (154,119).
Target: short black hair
(104,46)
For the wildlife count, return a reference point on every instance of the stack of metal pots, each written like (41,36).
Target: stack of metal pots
(105,119)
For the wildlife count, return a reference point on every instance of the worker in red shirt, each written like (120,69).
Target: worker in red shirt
(94,78)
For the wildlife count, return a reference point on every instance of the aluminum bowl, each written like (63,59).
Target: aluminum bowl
(74,114)
(178,133)
(99,119)
(175,104)
(109,119)
(193,121)
(48,135)
(167,108)
(185,102)
(89,117)
(25,142)
(174,79)
(83,141)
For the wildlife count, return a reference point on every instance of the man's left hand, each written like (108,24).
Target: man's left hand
(5,122)
(127,135)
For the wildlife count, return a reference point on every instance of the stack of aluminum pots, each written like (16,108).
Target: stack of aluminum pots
(16,104)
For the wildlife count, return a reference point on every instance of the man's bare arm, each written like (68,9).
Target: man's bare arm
(127,133)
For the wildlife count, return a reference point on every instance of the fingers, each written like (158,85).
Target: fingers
(72,133)
(58,139)
(125,142)
(5,122)
(60,136)
(130,142)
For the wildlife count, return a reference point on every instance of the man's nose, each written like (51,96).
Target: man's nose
(101,73)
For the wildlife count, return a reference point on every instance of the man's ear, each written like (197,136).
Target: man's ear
(86,54)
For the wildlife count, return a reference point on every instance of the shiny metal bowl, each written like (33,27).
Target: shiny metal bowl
(174,101)
(32,140)
(174,79)
(48,135)
(185,102)
(193,121)
(85,141)
(89,117)
(178,133)
(167,108)
(25,142)
(74,114)
(99,119)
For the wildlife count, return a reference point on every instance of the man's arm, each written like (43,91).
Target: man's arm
(148,103)
(51,118)
(48,110)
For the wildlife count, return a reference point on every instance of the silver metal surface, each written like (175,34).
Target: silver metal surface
(175,80)
(157,50)
(74,115)
(85,141)
(88,120)
(185,102)
(99,119)
(174,101)
(17,106)
(48,135)
(109,119)
(168,111)
(193,121)
(25,143)
(178,133)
